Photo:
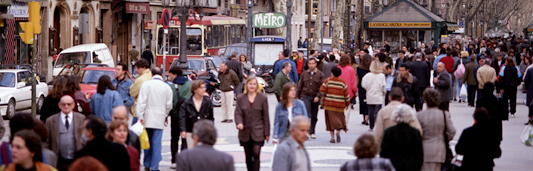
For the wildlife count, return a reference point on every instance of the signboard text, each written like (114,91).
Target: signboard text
(268,20)
(399,25)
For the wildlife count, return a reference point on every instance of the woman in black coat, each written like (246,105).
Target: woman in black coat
(194,109)
(478,146)
(402,144)
(362,70)
(498,112)
(509,77)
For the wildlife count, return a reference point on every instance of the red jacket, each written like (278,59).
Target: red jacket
(448,63)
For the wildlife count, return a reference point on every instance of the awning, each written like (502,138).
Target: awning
(404,14)
(137,7)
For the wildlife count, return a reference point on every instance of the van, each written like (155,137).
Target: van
(83,54)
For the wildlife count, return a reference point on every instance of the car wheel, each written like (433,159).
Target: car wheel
(216,98)
(10,109)
(40,104)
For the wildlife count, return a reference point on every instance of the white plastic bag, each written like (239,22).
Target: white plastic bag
(527,135)
(347,112)
(463,91)
(137,128)
(273,152)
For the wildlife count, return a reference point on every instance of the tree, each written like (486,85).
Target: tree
(280,6)
(339,15)
(318,30)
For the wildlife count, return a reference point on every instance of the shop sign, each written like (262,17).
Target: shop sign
(268,20)
(19,10)
(530,29)
(136,7)
(399,25)
(148,25)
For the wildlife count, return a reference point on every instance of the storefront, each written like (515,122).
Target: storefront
(16,51)
(528,31)
(403,23)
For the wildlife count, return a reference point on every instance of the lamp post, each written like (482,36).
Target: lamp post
(249,30)
(183,11)
(481,24)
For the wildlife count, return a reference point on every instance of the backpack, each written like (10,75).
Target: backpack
(177,100)
(460,71)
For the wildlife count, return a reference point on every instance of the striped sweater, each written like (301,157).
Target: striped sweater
(337,96)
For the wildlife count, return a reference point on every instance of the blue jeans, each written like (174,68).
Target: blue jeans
(133,70)
(459,86)
(153,156)
(372,114)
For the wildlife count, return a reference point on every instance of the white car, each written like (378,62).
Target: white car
(15,91)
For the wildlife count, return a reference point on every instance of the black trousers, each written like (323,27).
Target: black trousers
(175,135)
(509,94)
(312,111)
(471,90)
(387,98)
(444,105)
(63,164)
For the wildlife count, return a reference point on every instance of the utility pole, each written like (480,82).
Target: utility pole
(322,24)
(309,14)
(361,22)
(288,34)
(31,29)
(249,26)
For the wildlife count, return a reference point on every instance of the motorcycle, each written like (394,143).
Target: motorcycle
(264,77)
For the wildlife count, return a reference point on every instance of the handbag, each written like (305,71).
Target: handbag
(447,165)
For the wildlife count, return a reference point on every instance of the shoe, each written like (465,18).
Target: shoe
(527,123)
(321,107)
(313,136)
(229,121)
(512,115)
(173,165)
(338,138)
(454,99)
(364,123)
(332,141)
(224,121)
(146,169)
(352,107)
(460,100)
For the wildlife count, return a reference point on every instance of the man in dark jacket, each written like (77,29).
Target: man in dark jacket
(184,91)
(528,83)
(228,82)
(293,73)
(308,90)
(443,83)
(301,63)
(470,79)
(235,65)
(147,54)
(281,79)
(420,69)
(409,85)
(114,156)
(497,112)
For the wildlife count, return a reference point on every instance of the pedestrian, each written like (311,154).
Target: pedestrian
(498,64)
(528,83)
(420,69)
(384,117)
(390,74)
(442,54)
(64,130)
(524,64)
(280,57)
(143,68)
(443,84)
(114,156)
(49,157)
(148,56)
(374,83)
(26,152)
(195,108)
(509,78)
(436,124)
(246,65)
(402,59)
(485,74)
(293,71)
(236,65)
(288,108)
(291,154)
(464,60)
(228,82)
(16,123)
(337,98)
(328,66)
(478,146)
(321,59)
(105,99)
(50,107)
(120,113)
(470,80)
(365,149)
(74,90)
(253,123)
(153,106)
(497,110)
(281,79)
(348,75)
(134,56)
(118,133)
(179,97)
(300,43)
(362,70)
(301,63)
(87,163)
(409,85)
(183,82)
(122,83)
(309,91)
(402,144)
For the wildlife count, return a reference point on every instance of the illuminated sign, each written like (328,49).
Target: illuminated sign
(399,25)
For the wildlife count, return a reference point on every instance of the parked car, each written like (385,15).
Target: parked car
(15,91)
(83,54)
(89,78)
(199,66)
(73,69)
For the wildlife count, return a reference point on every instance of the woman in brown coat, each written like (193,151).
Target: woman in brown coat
(253,123)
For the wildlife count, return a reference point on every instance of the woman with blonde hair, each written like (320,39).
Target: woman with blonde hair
(375,85)
(253,123)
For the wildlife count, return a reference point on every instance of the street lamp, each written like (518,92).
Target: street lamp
(184,10)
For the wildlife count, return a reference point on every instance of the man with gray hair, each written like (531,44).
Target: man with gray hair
(443,83)
(291,153)
(203,156)
(484,75)
(420,69)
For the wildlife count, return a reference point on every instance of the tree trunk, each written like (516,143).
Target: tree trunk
(339,15)
(360,24)
(347,40)
(280,6)
(317,33)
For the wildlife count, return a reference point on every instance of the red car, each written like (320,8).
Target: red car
(89,78)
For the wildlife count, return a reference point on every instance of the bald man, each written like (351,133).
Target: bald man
(64,130)
(120,113)
(443,83)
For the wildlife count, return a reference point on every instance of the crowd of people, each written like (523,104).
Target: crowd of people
(78,131)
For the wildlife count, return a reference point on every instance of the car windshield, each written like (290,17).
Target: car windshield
(229,50)
(194,65)
(217,61)
(7,79)
(72,58)
(92,76)
(70,70)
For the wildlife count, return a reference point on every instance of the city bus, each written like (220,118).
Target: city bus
(204,38)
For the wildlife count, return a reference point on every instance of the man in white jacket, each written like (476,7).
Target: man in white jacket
(153,106)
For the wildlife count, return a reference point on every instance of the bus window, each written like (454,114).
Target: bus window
(208,36)
(233,34)
(221,36)
(172,41)
(215,36)
(194,41)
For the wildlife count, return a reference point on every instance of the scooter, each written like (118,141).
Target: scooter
(265,74)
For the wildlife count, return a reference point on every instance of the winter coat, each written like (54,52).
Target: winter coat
(432,122)
(374,84)
(402,144)
(154,102)
(469,77)
(509,77)
(444,86)
(421,71)
(189,115)
(102,104)
(410,89)
(349,76)
(136,87)
(484,75)
(479,148)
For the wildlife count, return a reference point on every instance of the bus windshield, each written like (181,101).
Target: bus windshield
(172,41)
(194,41)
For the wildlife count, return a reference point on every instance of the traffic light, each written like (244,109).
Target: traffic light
(27,36)
(34,10)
